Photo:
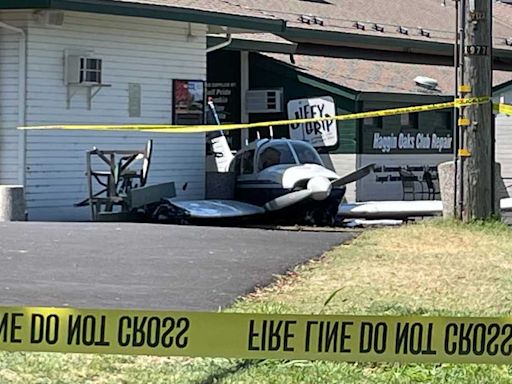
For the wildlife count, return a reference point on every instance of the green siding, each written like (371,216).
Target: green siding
(266,73)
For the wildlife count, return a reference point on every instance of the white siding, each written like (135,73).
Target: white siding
(504,148)
(504,138)
(9,67)
(149,52)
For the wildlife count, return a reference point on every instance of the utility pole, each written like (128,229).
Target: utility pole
(475,186)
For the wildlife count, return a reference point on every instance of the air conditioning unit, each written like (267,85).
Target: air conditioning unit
(264,101)
(82,68)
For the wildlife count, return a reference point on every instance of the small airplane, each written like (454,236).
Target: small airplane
(283,179)
(280,178)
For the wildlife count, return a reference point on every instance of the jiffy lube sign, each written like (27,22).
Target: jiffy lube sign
(319,133)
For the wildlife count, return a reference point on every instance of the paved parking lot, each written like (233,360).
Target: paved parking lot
(144,265)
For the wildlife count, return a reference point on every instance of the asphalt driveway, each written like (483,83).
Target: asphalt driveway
(144,265)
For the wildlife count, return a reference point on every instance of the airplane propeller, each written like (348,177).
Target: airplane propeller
(318,188)
(354,176)
(287,200)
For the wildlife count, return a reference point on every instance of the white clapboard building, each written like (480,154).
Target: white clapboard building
(503,126)
(139,48)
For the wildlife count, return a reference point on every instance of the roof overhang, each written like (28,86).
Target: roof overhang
(356,45)
(239,44)
(405,97)
(163,12)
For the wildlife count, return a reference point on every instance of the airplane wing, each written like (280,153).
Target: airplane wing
(399,209)
(215,209)
(391,209)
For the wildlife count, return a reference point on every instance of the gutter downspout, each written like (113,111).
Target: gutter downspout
(221,45)
(22,97)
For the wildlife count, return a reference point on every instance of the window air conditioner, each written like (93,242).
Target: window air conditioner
(264,101)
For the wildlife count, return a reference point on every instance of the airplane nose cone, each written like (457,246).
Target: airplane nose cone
(320,188)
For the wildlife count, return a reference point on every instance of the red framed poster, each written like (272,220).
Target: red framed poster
(188,102)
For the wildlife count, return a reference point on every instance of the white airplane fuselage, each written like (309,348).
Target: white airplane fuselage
(270,169)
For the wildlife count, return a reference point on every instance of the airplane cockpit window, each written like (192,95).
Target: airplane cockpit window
(306,154)
(248,162)
(277,153)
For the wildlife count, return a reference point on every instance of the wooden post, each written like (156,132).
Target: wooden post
(476,142)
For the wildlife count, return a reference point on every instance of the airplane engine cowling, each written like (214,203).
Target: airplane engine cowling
(320,188)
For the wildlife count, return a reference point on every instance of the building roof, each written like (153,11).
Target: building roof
(306,20)
(318,23)
(214,6)
(435,16)
(379,77)
(213,12)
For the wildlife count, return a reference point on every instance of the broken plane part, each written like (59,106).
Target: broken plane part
(390,209)
(215,209)
(399,209)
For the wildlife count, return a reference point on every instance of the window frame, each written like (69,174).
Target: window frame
(85,70)
(273,145)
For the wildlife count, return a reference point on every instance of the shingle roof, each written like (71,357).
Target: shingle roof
(218,6)
(341,15)
(371,76)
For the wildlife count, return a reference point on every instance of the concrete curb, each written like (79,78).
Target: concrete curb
(12,203)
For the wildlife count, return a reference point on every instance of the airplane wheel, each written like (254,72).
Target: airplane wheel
(321,217)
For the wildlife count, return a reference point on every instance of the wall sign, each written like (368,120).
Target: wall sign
(410,141)
(188,102)
(319,134)
(432,134)
(226,99)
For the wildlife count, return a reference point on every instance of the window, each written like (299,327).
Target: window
(248,162)
(409,120)
(437,120)
(374,122)
(442,120)
(236,165)
(306,154)
(276,153)
(90,70)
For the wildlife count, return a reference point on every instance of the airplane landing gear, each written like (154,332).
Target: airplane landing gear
(325,215)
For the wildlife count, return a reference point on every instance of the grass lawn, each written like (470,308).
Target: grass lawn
(430,268)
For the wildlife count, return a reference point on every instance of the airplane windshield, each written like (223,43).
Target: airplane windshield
(306,154)
(277,153)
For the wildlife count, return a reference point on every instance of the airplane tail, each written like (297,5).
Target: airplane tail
(219,143)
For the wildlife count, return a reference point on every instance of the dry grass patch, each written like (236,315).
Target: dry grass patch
(422,268)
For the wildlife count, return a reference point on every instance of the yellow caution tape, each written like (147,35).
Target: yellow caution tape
(210,128)
(411,339)
(503,108)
